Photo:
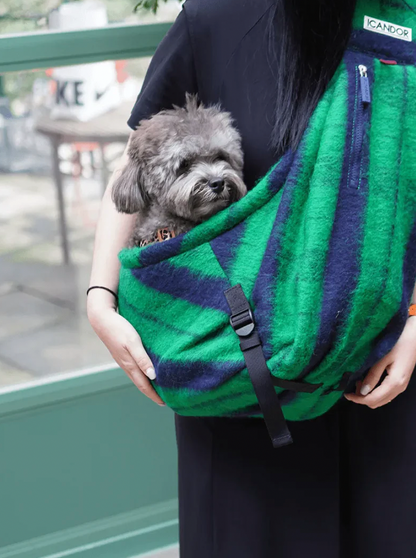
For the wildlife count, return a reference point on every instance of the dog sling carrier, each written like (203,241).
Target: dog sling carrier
(277,304)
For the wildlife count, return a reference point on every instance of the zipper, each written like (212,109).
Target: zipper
(360,118)
(365,84)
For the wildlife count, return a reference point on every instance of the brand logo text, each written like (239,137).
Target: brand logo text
(386,28)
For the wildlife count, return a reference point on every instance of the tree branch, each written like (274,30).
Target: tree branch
(152,5)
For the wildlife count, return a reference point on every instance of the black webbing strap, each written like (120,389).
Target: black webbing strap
(344,382)
(243,324)
(300,387)
(342,386)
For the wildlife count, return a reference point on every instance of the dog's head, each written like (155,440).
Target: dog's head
(187,160)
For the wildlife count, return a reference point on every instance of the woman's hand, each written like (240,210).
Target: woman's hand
(399,364)
(125,346)
(117,334)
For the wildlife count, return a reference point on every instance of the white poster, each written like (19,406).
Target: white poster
(84,91)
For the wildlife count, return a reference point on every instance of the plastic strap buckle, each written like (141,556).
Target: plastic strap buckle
(242,323)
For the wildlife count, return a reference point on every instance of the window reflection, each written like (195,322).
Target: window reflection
(41,15)
(47,219)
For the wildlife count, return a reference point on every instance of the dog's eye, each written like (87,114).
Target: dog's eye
(184,166)
(221,157)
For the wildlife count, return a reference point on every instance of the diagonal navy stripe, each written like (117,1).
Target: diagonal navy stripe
(396,325)
(280,173)
(391,334)
(226,245)
(262,295)
(245,412)
(180,282)
(219,400)
(342,266)
(160,250)
(157,320)
(285,398)
(194,375)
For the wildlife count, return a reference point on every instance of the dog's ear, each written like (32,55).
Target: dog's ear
(192,102)
(127,191)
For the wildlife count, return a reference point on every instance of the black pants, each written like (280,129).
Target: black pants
(346,488)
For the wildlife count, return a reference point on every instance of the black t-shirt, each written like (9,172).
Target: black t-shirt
(220,50)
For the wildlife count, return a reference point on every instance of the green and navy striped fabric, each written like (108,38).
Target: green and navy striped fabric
(324,247)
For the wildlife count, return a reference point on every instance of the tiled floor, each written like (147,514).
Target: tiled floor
(43,324)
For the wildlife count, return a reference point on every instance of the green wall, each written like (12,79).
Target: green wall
(87,468)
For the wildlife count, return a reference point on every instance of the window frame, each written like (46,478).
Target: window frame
(47,49)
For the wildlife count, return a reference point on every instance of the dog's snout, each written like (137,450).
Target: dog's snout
(217,185)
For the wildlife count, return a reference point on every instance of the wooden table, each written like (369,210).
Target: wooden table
(108,128)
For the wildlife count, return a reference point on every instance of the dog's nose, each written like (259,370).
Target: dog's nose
(217,185)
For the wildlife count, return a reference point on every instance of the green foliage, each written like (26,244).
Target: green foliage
(31,15)
(25,15)
(151,5)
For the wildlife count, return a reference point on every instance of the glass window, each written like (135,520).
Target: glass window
(71,120)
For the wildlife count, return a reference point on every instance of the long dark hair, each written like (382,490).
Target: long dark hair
(307,38)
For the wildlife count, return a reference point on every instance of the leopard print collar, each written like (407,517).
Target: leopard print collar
(159,236)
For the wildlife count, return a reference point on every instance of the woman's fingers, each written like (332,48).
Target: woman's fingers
(399,364)
(394,384)
(141,358)
(141,368)
(125,346)
(373,377)
(385,392)
(139,379)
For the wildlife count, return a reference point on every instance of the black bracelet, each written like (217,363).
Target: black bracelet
(105,288)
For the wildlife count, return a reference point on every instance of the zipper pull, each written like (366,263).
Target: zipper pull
(365,84)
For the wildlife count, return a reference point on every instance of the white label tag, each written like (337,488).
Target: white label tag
(386,28)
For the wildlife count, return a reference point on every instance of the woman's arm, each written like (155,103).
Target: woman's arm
(399,363)
(111,235)
(119,336)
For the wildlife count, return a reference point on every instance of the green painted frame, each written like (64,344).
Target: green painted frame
(61,388)
(88,469)
(28,51)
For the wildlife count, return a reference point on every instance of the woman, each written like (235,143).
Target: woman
(345,488)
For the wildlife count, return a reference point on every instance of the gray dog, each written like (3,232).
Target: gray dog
(184,165)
